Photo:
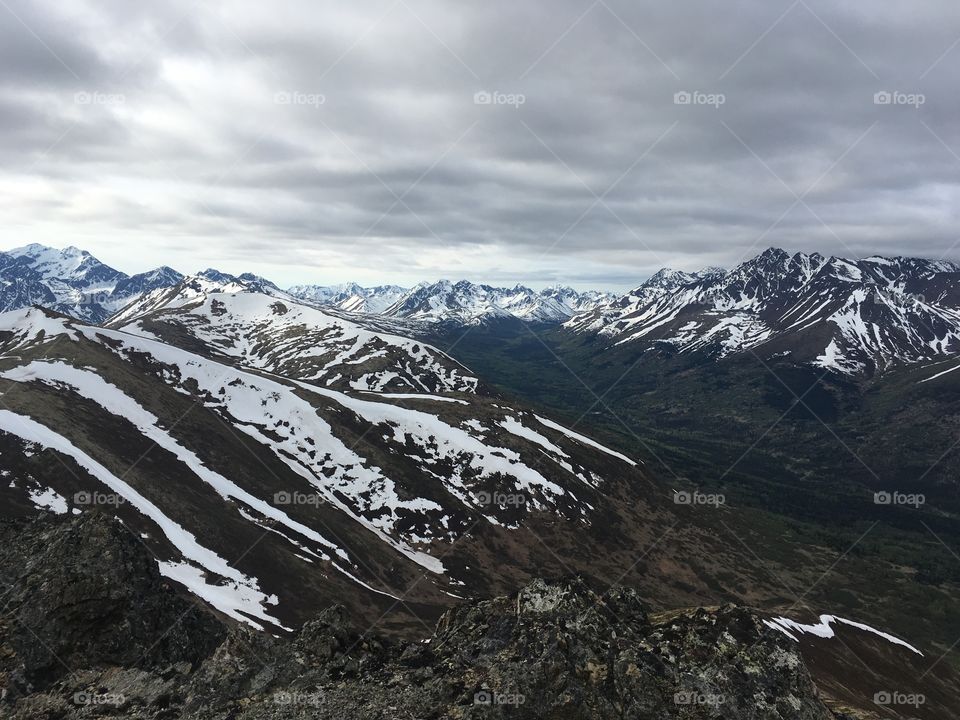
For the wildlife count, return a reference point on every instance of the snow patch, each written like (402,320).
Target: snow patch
(824,629)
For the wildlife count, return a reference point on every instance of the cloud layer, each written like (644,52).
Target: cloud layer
(581,142)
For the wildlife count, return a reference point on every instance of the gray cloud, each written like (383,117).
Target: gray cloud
(278,137)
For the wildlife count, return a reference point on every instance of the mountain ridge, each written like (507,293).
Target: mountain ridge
(851,317)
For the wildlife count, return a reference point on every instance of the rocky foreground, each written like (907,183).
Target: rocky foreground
(90,629)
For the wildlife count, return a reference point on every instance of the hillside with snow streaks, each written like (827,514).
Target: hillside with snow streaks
(241,592)
(824,629)
(270,412)
(215,452)
(91,386)
(849,316)
(294,340)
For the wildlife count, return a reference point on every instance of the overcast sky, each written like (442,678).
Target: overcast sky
(540,141)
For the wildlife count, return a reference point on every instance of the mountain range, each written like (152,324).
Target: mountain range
(852,317)
(849,316)
(461,302)
(273,455)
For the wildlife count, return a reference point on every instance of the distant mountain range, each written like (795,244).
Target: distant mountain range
(74,282)
(848,316)
(463,302)
(350,297)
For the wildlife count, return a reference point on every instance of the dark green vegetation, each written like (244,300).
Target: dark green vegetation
(805,451)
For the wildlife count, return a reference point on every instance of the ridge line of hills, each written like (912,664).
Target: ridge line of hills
(852,317)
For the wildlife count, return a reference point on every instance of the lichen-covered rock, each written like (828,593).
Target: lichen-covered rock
(83,592)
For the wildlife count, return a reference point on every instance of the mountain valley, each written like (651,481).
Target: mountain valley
(274,455)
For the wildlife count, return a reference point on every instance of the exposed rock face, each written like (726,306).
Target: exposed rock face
(85,591)
(561,650)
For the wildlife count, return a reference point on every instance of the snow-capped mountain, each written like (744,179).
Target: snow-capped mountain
(72,281)
(71,266)
(466,302)
(191,290)
(462,302)
(851,316)
(233,318)
(350,297)
(132,286)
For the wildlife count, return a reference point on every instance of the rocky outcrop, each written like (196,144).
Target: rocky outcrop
(84,593)
(90,630)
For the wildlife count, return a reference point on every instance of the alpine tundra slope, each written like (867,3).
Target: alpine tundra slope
(274,457)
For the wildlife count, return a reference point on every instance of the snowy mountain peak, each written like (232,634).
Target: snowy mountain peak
(38,251)
(852,316)
(68,265)
(667,279)
(71,281)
